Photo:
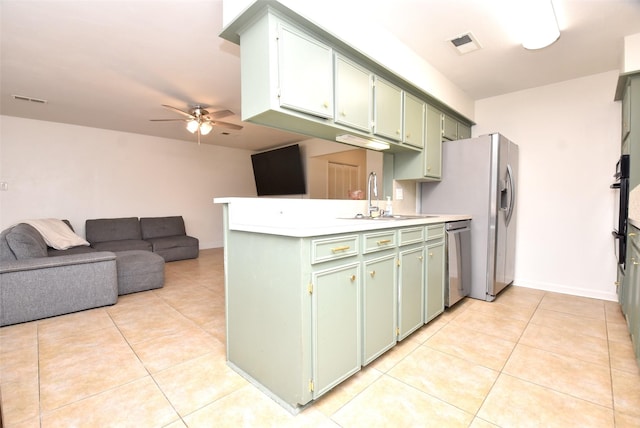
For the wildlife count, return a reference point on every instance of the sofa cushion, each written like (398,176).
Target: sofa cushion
(173,242)
(112,229)
(81,249)
(159,227)
(122,245)
(26,242)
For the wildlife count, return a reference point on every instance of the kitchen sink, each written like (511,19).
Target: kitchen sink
(389,218)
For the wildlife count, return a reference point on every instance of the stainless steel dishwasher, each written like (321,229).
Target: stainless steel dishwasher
(458,261)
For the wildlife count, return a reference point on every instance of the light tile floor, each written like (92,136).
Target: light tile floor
(157,358)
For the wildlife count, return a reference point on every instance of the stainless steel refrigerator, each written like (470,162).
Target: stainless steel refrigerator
(479,177)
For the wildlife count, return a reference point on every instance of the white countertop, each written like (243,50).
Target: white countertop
(314,217)
(634,206)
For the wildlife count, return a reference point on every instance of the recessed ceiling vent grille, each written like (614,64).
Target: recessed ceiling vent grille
(465,43)
(33,100)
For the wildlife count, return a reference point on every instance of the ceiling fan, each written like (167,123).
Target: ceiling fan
(199,120)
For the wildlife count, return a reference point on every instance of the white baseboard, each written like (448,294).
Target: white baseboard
(211,244)
(567,289)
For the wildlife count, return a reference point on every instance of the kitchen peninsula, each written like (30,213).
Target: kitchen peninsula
(313,294)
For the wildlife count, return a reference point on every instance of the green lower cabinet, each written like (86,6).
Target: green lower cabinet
(335,326)
(434,287)
(631,305)
(411,288)
(379,297)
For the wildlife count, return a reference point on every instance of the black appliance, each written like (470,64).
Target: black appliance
(621,212)
(279,172)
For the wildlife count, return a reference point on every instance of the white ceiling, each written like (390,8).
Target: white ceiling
(111,64)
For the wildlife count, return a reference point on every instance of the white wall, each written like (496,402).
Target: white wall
(569,138)
(74,172)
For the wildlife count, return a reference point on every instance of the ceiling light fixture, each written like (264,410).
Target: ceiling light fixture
(539,24)
(362,142)
(198,124)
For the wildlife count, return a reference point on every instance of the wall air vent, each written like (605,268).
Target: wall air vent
(465,43)
(31,99)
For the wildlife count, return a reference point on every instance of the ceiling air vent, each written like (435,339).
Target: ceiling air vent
(31,99)
(465,43)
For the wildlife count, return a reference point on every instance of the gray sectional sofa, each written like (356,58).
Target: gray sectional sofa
(37,281)
(34,285)
(165,236)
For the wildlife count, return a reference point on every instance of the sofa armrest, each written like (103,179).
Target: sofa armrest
(53,262)
(43,287)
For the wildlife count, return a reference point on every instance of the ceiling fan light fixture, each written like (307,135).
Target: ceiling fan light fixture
(205,128)
(540,26)
(192,126)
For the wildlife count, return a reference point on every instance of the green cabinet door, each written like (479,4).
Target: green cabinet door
(434,287)
(449,128)
(335,325)
(305,72)
(632,278)
(353,95)
(464,131)
(433,149)
(387,110)
(379,297)
(414,117)
(410,290)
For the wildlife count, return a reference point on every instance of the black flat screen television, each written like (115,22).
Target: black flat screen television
(279,172)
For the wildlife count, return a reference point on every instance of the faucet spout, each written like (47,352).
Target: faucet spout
(373,180)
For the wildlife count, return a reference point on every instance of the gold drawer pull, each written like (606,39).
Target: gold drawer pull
(352,278)
(420,258)
(632,234)
(372,273)
(337,249)
(383,241)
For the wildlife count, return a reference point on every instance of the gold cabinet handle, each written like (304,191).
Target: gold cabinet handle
(383,241)
(325,104)
(420,258)
(632,234)
(338,249)
(372,273)
(352,278)
(430,254)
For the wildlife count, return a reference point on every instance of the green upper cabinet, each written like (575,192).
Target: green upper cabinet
(464,131)
(305,71)
(353,95)
(413,121)
(427,164)
(449,128)
(453,129)
(433,150)
(387,109)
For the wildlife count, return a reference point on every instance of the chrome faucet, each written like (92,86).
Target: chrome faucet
(372,180)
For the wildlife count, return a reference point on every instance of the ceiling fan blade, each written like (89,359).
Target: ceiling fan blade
(226,125)
(169,120)
(218,114)
(177,110)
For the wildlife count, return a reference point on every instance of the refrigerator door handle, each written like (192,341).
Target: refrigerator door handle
(512,193)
